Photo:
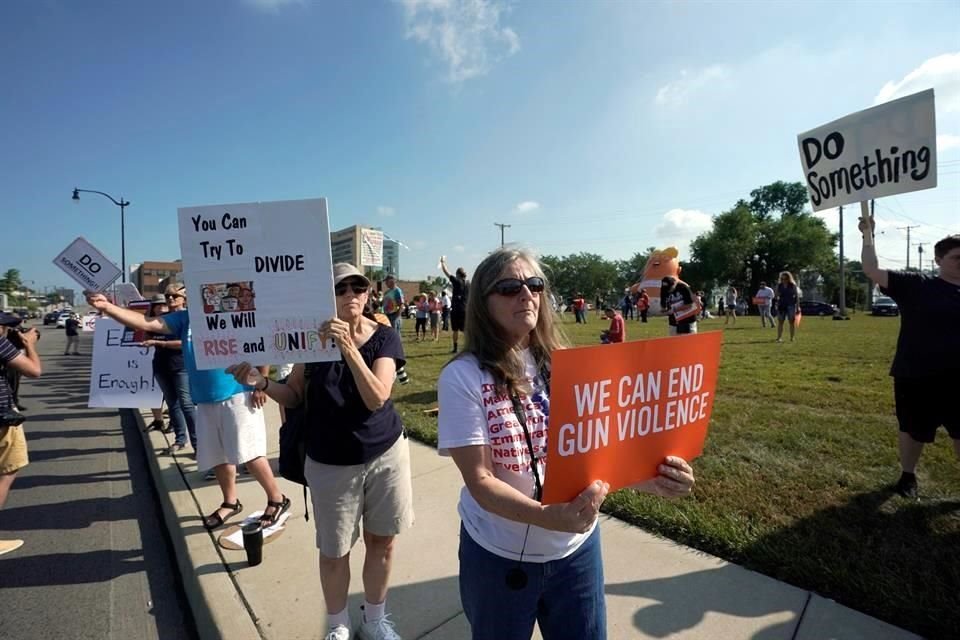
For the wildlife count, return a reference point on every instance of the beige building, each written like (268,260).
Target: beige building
(345,247)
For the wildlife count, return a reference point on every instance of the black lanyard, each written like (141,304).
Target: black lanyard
(522,419)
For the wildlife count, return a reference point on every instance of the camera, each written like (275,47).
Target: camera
(14,335)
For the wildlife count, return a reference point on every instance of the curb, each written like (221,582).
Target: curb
(219,609)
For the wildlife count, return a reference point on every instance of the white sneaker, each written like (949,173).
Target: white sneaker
(6,546)
(339,632)
(381,629)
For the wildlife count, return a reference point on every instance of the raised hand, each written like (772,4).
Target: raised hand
(246,374)
(96,300)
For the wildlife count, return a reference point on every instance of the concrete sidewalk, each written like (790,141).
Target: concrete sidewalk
(655,588)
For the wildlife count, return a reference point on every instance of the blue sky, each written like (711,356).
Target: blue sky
(587,126)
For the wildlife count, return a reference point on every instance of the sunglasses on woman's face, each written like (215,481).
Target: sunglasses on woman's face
(513,286)
(172,296)
(356,287)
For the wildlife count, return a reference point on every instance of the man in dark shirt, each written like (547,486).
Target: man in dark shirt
(458,301)
(926,365)
(72,327)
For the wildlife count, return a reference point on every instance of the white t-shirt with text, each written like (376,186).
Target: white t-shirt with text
(473,412)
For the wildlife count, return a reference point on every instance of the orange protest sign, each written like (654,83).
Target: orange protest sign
(617,410)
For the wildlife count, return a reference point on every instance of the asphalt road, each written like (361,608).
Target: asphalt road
(96,563)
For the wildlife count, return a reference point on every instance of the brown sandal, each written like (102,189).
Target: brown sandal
(268,520)
(215,520)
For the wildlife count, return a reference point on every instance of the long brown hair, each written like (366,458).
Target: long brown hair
(485,337)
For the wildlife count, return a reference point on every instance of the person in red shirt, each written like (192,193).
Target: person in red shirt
(580,309)
(616,332)
(643,304)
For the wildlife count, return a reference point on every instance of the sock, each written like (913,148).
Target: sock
(373,612)
(333,619)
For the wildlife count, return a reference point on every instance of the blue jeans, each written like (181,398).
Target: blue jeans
(565,597)
(176,393)
(395,320)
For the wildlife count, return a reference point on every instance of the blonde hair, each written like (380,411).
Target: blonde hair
(789,277)
(485,338)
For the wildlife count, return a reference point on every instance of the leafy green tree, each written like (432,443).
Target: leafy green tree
(435,284)
(748,244)
(786,198)
(10,281)
(586,273)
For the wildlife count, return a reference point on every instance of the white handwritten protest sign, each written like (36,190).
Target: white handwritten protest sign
(876,152)
(84,263)
(122,372)
(89,322)
(371,248)
(260,282)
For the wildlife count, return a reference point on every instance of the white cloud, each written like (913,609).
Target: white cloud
(941,72)
(683,223)
(384,210)
(527,206)
(947,141)
(271,5)
(680,90)
(465,34)
(459,248)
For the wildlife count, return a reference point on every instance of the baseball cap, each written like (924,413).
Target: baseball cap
(344,270)
(9,320)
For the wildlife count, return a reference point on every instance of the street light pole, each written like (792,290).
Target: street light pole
(123,243)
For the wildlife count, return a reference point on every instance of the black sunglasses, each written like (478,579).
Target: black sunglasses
(357,288)
(513,286)
(172,295)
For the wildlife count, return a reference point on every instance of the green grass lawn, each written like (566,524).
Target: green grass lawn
(795,478)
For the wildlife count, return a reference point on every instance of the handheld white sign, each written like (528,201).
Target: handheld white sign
(259,282)
(89,322)
(85,264)
(126,292)
(122,372)
(882,151)
(371,248)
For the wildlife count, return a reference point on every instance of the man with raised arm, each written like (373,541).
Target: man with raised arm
(926,365)
(230,424)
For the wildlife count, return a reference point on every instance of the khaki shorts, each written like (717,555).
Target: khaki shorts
(380,492)
(13,450)
(230,432)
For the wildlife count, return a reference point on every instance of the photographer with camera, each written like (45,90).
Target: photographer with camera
(18,353)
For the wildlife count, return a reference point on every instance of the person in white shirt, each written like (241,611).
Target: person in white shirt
(521,561)
(765,297)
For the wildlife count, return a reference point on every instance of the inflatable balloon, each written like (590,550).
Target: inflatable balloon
(661,263)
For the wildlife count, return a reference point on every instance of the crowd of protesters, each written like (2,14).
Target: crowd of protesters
(520,562)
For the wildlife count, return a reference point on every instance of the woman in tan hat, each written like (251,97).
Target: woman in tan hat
(358,463)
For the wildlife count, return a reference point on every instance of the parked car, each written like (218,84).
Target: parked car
(62,319)
(811,308)
(884,306)
(51,318)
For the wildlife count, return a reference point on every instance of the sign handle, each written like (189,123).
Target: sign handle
(867,217)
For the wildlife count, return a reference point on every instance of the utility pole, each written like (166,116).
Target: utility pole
(913,226)
(920,254)
(502,227)
(843,282)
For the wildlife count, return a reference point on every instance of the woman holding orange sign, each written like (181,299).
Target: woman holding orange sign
(521,562)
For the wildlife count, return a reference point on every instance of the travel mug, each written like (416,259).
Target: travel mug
(253,543)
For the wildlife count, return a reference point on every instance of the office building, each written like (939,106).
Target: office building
(345,247)
(150,273)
